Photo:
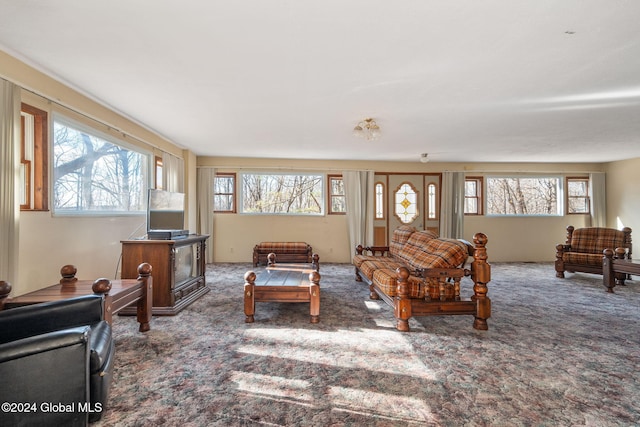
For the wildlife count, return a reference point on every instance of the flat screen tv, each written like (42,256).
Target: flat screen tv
(165,215)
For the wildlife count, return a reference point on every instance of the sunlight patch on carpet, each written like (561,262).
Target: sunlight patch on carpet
(273,386)
(370,349)
(394,407)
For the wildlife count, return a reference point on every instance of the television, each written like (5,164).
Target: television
(165,215)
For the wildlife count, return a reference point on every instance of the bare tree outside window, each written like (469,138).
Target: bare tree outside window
(522,195)
(224,188)
(282,194)
(337,197)
(95,175)
(578,196)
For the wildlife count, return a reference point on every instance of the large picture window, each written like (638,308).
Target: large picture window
(94,174)
(523,195)
(271,193)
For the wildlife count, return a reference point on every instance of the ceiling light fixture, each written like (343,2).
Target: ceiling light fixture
(367,129)
(424,157)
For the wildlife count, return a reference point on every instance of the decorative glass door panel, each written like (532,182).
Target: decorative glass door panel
(406,203)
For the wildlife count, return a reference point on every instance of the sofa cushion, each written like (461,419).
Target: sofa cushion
(399,238)
(594,240)
(582,258)
(385,279)
(359,259)
(369,267)
(414,245)
(436,253)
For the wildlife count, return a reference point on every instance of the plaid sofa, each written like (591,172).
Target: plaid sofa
(285,252)
(415,250)
(419,274)
(584,247)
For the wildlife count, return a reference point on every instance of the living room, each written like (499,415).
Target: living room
(45,241)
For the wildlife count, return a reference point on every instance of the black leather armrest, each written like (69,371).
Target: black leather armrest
(37,319)
(37,344)
(100,345)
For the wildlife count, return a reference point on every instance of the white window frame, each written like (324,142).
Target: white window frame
(147,174)
(560,204)
(321,197)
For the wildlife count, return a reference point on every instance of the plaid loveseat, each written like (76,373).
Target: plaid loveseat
(433,267)
(584,247)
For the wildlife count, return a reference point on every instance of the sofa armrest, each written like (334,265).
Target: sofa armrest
(45,369)
(48,342)
(374,250)
(100,345)
(41,318)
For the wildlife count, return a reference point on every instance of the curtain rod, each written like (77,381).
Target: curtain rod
(292,168)
(85,115)
(467,172)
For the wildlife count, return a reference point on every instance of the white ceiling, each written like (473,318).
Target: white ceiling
(466,80)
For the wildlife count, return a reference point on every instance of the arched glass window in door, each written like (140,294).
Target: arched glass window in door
(406,203)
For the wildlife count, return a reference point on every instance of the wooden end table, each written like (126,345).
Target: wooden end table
(283,282)
(615,267)
(118,293)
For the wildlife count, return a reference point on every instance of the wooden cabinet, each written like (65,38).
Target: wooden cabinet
(178,270)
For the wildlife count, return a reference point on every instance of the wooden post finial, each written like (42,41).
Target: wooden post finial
(68,273)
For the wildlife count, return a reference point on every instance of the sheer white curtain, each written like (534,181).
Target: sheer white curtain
(172,173)
(359,195)
(9,172)
(452,206)
(204,216)
(598,200)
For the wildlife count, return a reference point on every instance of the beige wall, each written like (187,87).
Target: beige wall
(510,239)
(623,197)
(93,244)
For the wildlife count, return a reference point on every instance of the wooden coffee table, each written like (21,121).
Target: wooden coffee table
(615,267)
(118,293)
(280,282)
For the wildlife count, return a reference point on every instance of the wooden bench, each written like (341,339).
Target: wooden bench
(285,252)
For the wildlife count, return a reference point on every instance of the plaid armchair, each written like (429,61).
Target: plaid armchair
(584,247)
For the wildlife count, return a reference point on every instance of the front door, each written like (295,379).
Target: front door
(409,199)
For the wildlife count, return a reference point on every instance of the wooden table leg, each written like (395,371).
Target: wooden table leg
(314,296)
(607,270)
(249,296)
(145,303)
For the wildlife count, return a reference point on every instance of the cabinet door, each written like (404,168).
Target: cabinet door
(187,265)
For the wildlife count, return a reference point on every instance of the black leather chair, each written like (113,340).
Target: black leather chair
(56,362)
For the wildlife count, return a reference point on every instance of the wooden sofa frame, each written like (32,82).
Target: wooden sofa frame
(443,299)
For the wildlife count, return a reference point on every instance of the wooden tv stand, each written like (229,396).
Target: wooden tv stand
(178,271)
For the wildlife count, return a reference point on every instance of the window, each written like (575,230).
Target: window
(432,205)
(267,193)
(34,189)
(473,195)
(523,195)
(159,168)
(578,196)
(95,174)
(224,193)
(406,203)
(379,200)
(337,199)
